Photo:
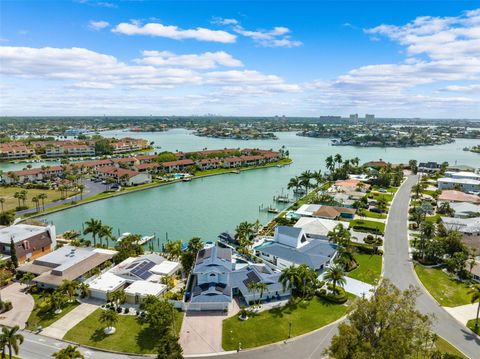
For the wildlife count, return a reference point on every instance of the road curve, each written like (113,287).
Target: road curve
(398,267)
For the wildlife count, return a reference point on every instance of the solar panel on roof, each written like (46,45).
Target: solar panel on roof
(142,269)
(251,278)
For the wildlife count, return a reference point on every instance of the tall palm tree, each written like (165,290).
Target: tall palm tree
(289,278)
(245,232)
(42,197)
(330,163)
(11,339)
(475,292)
(81,188)
(2,202)
(17,196)
(36,201)
(69,288)
(105,232)
(336,275)
(338,158)
(294,183)
(70,352)
(93,228)
(118,297)
(317,176)
(339,235)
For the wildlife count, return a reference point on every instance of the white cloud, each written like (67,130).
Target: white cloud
(206,60)
(98,25)
(466,89)
(174,32)
(279,36)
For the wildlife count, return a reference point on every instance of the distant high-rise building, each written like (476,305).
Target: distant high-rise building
(354,116)
(369,117)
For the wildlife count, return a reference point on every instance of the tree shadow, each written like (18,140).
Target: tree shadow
(98,335)
(146,339)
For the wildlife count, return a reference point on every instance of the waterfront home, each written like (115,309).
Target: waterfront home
(32,174)
(124,176)
(208,163)
(67,262)
(220,275)
(210,279)
(147,167)
(429,167)
(376,164)
(457,196)
(125,161)
(291,246)
(466,226)
(323,211)
(465,185)
(318,228)
(93,165)
(143,272)
(177,166)
(15,150)
(463,175)
(232,162)
(465,209)
(30,241)
(349,185)
(129,145)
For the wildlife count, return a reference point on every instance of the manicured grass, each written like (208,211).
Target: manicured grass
(273,325)
(44,320)
(12,203)
(377,195)
(368,226)
(446,290)
(471,326)
(130,337)
(371,214)
(369,268)
(433,219)
(445,347)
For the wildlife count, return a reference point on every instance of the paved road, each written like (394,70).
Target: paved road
(91,189)
(399,269)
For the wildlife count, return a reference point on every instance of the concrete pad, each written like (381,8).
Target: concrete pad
(22,305)
(463,313)
(59,328)
(201,332)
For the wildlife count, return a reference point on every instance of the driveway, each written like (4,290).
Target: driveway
(463,313)
(22,305)
(59,328)
(201,332)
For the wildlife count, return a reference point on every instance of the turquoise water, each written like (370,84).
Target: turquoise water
(205,207)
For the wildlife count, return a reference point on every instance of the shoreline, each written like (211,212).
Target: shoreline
(152,185)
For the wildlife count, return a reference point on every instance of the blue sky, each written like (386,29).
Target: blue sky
(391,58)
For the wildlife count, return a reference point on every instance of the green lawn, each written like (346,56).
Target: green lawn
(44,320)
(11,202)
(130,337)
(273,325)
(377,195)
(471,325)
(369,268)
(367,226)
(445,347)
(434,218)
(373,214)
(446,290)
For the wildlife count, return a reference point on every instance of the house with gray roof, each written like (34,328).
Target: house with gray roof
(291,246)
(466,226)
(465,209)
(220,275)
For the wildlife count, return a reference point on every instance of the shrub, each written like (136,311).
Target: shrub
(338,297)
(126,310)
(119,310)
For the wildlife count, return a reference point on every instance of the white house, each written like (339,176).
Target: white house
(291,246)
(318,227)
(465,184)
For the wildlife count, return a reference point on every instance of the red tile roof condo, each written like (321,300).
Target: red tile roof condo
(117,172)
(178,163)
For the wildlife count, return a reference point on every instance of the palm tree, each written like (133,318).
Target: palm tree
(109,317)
(105,232)
(118,297)
(11,339)
(83,288)
(36,201)
(294,183)
(58,300)
(23,196)
(317,176)
(93,228)
(42,197)
(475,292)
(27,278)
(336,275)
(17,196)
(69,287)
(289,278)
(70,352)
(244,233)
(2,201)
(339,235)
(355,161)
(338,158)
(173,249)
(330,163)
(81,188)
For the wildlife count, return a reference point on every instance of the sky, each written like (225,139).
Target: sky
(240,58)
